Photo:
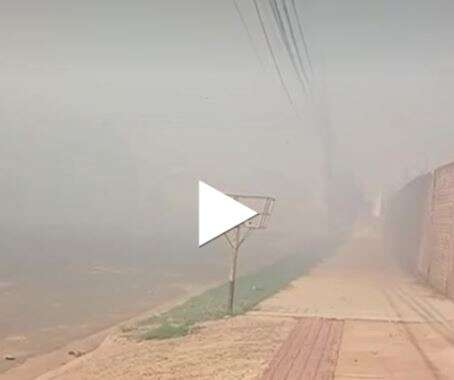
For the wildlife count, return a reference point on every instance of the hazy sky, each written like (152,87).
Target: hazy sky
(111,111)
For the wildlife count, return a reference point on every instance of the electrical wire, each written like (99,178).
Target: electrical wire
(301,33)
(248,32)
(273,55)
(283,33)
(295,42)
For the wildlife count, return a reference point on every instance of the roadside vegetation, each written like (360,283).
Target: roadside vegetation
(250,290)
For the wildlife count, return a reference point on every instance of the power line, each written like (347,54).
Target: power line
(273,56)
(325,129)
(295,42)
(248,32)
(280,26)
(301,32)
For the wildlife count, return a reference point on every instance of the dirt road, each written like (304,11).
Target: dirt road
(355,316)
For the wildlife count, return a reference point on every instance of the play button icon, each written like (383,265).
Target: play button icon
(219,213)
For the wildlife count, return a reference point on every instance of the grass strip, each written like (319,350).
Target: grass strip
(250,290)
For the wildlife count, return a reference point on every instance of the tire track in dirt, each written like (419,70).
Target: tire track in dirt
(310,352)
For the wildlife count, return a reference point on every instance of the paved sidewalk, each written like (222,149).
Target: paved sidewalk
(393,326)
(310,352)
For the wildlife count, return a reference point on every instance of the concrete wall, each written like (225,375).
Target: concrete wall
(404,221)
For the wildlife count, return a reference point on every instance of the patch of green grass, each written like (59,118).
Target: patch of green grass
(167,330)
(250,290)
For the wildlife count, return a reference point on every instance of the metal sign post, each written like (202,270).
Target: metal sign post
(238,235)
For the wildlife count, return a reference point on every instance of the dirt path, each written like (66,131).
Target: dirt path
(355,316)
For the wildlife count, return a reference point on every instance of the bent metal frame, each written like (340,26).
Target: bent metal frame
(235,237)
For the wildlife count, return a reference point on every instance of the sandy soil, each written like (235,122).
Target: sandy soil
(237,348)
(35,366)
(372,321)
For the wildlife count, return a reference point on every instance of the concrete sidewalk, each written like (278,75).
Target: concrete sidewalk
(394,327)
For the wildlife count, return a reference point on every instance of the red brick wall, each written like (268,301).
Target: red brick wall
(437,248)
(420,227)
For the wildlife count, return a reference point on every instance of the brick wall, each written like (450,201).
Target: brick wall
(437,249)
(419,227)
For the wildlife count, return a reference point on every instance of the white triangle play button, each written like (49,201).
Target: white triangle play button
(219,213)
